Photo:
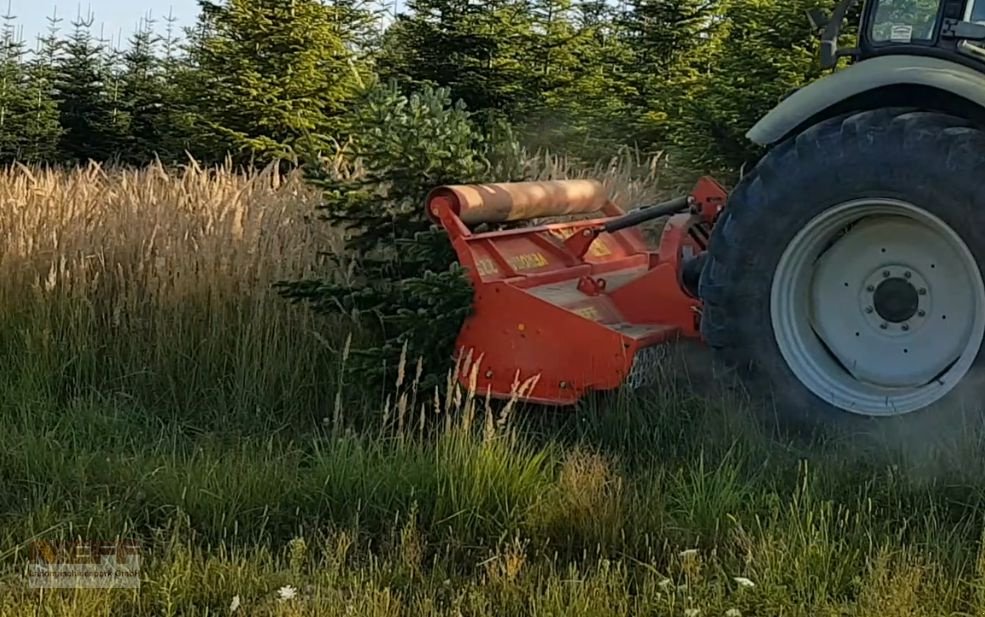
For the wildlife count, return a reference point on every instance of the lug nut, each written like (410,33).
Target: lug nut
(907,274)
(906,327)
(870,288)
(922,291)
(868,309)
(883,326)
(921,313)
(885,274)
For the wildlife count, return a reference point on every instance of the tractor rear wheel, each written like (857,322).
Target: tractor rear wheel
(843,278)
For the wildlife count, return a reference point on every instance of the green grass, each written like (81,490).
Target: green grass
(585,513)
(186,406)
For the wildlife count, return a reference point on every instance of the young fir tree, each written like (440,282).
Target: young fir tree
(118,134)
(142,91)
(361,23)
(407,289)
(481,50)
(764,51)
(180,108)
(14,99)
(553,42)
(275,76)
(85,108)
(670,42)
(580,61)
(42,128)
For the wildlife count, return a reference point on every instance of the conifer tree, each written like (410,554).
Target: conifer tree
(407,289)
(14,100)
(274,75)
(583,111)
(118,136)
(85,109)
(662,31)
(763,51)
(481,50)
(42,128)
(142,91)
(671,41)
(180,106)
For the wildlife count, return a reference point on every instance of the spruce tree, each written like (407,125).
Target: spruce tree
(584,92)
(14,99)
(407,289)
(42,129)
(142,92)
(275,76)
(480,50)
(117,137)
(551,67)
(764,51)
(181,108)
(670,41)
(85,109)
(662,31)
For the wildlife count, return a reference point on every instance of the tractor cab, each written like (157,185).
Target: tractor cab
(952,29)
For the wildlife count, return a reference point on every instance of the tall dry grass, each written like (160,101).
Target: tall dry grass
(157,285)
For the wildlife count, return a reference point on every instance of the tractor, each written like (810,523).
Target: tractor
(841,275)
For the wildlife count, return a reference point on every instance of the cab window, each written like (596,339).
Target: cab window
(905,21)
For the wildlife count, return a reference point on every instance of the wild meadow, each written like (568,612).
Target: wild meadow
(154,387)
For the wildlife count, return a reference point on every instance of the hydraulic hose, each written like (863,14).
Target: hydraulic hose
(647,213)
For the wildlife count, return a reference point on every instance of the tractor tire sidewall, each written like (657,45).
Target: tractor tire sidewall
(933,161)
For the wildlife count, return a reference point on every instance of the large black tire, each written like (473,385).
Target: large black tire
(933,160)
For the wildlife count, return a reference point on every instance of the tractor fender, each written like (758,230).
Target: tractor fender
(814,99)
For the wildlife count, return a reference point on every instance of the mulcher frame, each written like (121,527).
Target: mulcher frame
(564,309)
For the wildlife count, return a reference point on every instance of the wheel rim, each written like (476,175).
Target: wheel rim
(878,307)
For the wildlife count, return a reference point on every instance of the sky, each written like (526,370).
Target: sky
(116,17)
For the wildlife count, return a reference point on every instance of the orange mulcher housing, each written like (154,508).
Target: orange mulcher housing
(567,307)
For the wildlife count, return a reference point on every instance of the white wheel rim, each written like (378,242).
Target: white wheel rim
(878,307)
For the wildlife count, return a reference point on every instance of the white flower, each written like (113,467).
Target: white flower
(234,605)
(287,593)
(691,552)
(743,581)
(691,612)
(733,612)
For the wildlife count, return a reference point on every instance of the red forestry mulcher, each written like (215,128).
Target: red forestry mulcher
(841,275)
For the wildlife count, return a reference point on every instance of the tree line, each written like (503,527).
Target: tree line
(258,80)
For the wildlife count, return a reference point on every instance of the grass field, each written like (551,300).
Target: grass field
(152,386)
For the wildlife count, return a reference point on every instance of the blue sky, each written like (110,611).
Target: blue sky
(114,16)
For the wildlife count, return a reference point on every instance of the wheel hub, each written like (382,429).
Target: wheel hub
(895,300)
